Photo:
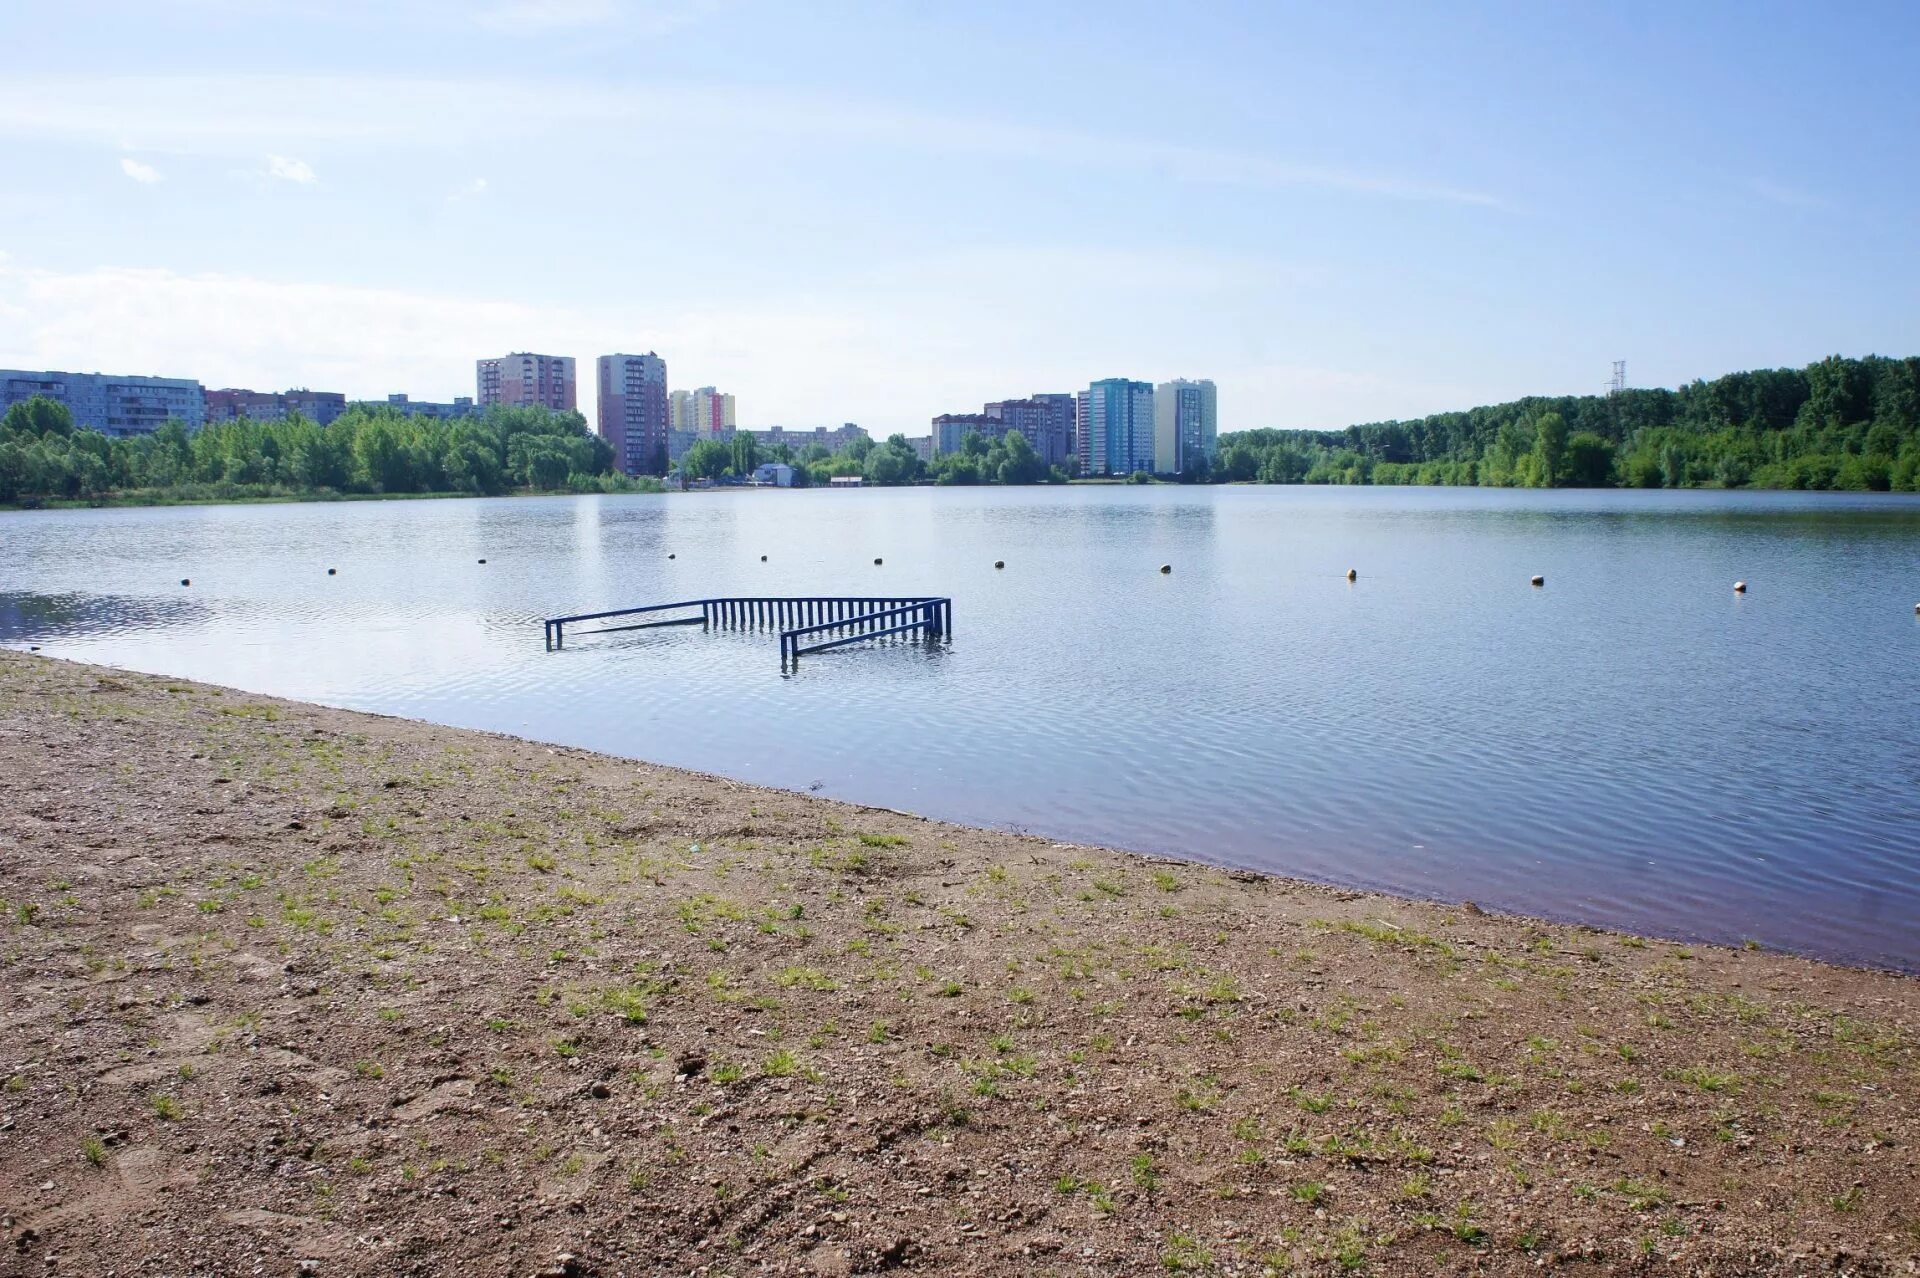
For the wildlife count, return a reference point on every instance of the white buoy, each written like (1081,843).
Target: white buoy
(1539,580)
(1739,587)
(1166,568)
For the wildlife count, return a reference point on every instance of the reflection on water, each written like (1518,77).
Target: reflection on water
(1632,745)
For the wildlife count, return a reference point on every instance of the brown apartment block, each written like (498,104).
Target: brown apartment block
(523,380)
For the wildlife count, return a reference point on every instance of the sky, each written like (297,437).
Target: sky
(877,212)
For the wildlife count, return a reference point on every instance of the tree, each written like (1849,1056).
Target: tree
(745,451)
(38,415)
(893,462)
(1589,461)
(706,459)
(1549,450)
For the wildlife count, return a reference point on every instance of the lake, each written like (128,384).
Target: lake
(1631,745)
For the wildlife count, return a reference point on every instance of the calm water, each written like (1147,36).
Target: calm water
(1633,745)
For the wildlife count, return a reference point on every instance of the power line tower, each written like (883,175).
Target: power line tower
(1618,382)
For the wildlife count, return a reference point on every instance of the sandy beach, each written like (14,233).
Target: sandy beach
(290,990)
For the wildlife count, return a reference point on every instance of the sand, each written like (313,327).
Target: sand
(293,990)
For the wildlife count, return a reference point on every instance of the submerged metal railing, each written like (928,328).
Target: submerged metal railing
(849,619)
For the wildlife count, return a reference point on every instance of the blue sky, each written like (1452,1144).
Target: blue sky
(879,212)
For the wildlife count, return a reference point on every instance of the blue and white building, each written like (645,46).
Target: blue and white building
(1115,427)
(111,403)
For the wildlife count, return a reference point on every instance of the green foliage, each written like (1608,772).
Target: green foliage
(1850,424)
(368,449)
(1008,460)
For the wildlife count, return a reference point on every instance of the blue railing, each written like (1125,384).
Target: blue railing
(800,619)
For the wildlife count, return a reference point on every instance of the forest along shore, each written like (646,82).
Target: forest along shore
(314,991)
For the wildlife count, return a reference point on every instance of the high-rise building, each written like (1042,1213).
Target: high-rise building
(1046,420)
(1115,427)
(523,380)
(272,406)
(1185,425)
(710,414)
(950,428)
(633,411)
(109,403)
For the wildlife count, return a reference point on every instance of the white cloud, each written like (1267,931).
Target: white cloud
(200,114)
(291,170)
(882,358)
(233,330)
(142,173)
(472,190)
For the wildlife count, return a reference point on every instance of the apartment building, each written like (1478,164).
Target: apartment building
(526,380)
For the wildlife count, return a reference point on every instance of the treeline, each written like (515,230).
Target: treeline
(1848,424)
(368,449)
(1007,460)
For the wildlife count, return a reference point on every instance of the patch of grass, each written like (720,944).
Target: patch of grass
(1201,1097)
(1309,1192)
(1185,1254)
(1311,1103)
(368,1069)
(882,841)
(1641,1194)
(1708,1080)
(806,978)
(164,1107)
(93,1150)
(1146,1177)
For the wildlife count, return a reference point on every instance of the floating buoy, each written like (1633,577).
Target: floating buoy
(332,571)
(876,561)
(763,559)
(999,563)
(1166,567)
(483,561)
(1352,575)
(1739,587)
(1538,580)
(185,581)
(671,556)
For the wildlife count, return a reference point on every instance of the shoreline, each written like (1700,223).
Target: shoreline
(119,503)
(505,1000)
(1060,841)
